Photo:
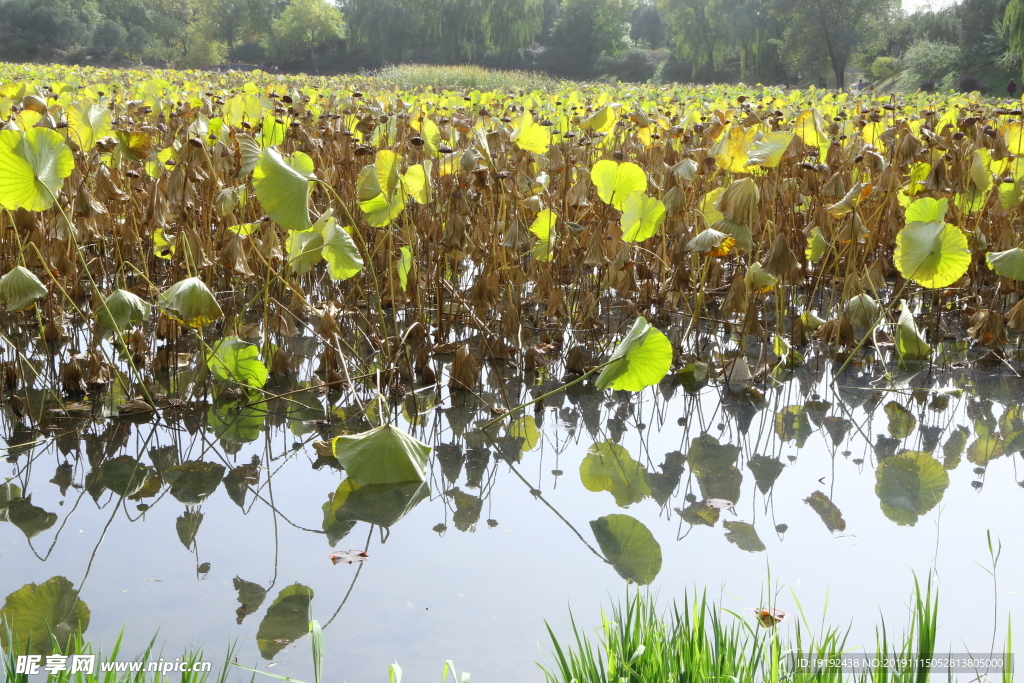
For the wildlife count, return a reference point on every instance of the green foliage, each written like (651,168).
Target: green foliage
(928,60)
(591,27)
(304,26)
(885,67)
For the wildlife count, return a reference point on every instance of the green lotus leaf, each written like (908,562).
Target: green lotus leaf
(816,246)
(384,455)
(1008,263)
(191,302)
(416,181)
(714,465)
(123,475)
(34,612)
(283,186)
(531,136)
(305,249)
(271,132)
(909,485)
(33,167)
(615,182)
(910,343)
(601,120)
(525,428)
(901,421)
(187,527)
(194,481)
(641,217)
(234,360)
(933,254)
(862,311)
(404,268)
(381,209)
(641,359)
(766,470)
(236,422)
(543,227)
(629,547)
(20,288)
(738,231)
(744,536)
(8,492)
(286,620)
(31,519)
(927,210)
(792,423)
(340,252)
(767,152)
(827,510)
(381,504)
(386,166)
(121,310)
(88,122)
(250,595)
(242,108)
(609,467)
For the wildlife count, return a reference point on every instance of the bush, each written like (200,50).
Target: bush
(248,53)
(631,66)
(970,83)
(885,67)
(931,60)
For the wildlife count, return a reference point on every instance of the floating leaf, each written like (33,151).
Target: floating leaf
(31,519)
(384,455)
(194,481)
(827,510)
(909,485)
(641,359)
(20,288)
(609,467)
(901,421)
(381,504)
(35,612)
(190,301)
(250,595)
(629,546)
(744,535)
(234,360)
(286,620)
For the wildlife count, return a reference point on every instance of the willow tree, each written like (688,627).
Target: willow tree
(385,29)
(702,30)
(1013,26)
(513,25)
(591,27)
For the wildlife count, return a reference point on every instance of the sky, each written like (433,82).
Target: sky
(914,5)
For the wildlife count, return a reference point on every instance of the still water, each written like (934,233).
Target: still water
(831,493)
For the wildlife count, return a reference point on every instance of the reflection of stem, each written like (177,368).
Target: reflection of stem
(366,548)
(540,497)
(556,390)
(59,529)
(277,545)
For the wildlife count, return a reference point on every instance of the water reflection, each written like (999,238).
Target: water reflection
(674,456)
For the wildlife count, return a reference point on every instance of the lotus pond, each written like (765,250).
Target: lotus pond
(439,365)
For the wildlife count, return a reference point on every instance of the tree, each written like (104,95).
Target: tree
(304,26)
(384,29)
(647,25)
(513,25)
(831,31)
(593,27)
(701,29)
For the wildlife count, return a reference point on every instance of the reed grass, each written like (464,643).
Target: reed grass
(461,77)
(698,640)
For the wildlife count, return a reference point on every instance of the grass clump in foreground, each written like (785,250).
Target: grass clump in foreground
(461,77)
(701,642)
